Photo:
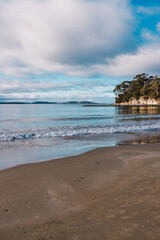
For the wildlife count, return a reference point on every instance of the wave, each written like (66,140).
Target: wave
(121,118)
(19,134)
(55,119)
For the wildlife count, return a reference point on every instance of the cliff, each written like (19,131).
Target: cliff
(140,101)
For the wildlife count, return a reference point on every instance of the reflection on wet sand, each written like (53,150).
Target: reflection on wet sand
(142,139)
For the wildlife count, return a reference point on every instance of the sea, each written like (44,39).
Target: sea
(39,132)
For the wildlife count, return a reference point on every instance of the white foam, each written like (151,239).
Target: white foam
(19,134)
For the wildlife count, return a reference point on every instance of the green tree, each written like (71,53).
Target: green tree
(142,85)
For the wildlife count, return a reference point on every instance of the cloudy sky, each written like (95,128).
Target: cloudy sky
(61,50)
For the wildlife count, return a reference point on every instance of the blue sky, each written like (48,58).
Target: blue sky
(75,49)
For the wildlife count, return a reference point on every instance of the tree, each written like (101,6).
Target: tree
(142,85)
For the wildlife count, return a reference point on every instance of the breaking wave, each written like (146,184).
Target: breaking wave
(68,131)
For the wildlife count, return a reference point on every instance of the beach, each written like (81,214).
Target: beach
(79,120)
(107,193)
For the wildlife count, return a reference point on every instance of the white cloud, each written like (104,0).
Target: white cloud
(65,36)
(146,59)
(150,11)
(90,94)
(150,36)
(158,27)
(30,86)
(73,37)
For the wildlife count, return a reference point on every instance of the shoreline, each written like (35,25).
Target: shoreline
(135,105)
(70,156)
(123,138)
(106,193)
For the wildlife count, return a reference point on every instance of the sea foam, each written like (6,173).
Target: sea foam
(68,131)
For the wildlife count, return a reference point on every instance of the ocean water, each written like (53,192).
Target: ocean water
(32,133)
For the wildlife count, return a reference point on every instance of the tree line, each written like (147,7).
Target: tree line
(142,85)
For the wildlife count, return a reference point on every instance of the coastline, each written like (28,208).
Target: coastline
(106,193)
(135,105)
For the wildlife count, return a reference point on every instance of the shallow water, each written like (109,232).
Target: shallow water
(31,133)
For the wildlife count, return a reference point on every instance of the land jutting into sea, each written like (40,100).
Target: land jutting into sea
(142,90)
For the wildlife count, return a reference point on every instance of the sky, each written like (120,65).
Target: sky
(75,50)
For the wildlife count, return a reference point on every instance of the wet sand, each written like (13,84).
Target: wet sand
(110,193)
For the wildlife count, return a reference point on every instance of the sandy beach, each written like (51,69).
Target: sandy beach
(109,193)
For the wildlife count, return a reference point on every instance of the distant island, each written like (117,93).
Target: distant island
(142,90)
(45,102)
(70,102)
